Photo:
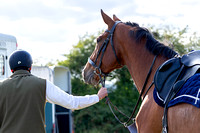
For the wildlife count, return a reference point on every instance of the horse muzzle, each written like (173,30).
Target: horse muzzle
(90,77)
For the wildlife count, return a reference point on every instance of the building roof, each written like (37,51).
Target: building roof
(4,37)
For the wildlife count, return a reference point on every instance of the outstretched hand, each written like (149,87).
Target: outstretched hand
(102,93)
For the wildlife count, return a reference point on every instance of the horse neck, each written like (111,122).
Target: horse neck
(139,63)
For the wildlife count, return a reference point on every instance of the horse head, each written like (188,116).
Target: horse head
(107,54)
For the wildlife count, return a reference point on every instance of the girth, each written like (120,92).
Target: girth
(171,75)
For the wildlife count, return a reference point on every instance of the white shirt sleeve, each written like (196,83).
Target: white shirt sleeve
(57,96)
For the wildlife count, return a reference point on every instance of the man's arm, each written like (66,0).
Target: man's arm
(57,96)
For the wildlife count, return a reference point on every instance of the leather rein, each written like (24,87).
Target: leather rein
(102,76)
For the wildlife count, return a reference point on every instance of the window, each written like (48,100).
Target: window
(2,65)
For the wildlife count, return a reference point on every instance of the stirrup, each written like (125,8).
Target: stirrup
(132,127)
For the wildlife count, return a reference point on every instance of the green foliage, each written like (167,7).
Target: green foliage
(98,118)
(178,39)
(194,42)
(172,37)
(79,55)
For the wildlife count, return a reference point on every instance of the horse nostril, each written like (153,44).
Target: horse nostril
(86,75)
(83,75)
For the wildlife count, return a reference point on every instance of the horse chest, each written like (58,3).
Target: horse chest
(149,117)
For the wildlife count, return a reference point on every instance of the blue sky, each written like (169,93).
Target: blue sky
(48,28)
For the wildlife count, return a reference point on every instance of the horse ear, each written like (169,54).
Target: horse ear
(107,19)
(115,18)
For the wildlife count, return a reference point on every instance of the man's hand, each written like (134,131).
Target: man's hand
(102,93)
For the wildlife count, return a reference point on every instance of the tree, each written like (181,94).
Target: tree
(177,38)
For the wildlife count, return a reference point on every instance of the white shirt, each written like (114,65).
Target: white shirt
(57,96)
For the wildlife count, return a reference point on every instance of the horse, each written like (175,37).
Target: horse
(135,47)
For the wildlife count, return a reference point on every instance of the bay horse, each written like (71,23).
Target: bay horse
(136,48)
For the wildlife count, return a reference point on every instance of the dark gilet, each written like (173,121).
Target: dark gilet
(22,103)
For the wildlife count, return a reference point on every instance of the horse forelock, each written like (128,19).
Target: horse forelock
(152,45)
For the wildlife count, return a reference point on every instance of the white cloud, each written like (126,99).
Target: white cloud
(49,28)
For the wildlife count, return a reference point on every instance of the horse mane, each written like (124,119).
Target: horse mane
(154,46)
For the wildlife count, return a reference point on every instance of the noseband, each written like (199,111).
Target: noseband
(102,50)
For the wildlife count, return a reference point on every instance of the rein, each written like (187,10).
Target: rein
(142,91)
(102,76)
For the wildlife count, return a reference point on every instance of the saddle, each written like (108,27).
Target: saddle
(171,75)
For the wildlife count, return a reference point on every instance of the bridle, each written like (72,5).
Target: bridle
(102,50)
(102,76)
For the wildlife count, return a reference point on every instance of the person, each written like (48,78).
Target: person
(23,97)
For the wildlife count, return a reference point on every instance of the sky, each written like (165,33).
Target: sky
(48,29)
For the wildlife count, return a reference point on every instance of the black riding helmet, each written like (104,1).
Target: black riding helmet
(20,60)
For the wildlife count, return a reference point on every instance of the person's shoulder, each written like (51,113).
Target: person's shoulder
(5,81)
(38,78)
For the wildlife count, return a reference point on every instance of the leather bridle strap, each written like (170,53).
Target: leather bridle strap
(142,91)
(112,44)
(138,101)
(102,50)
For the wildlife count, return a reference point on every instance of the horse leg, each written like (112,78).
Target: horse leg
(184,118)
